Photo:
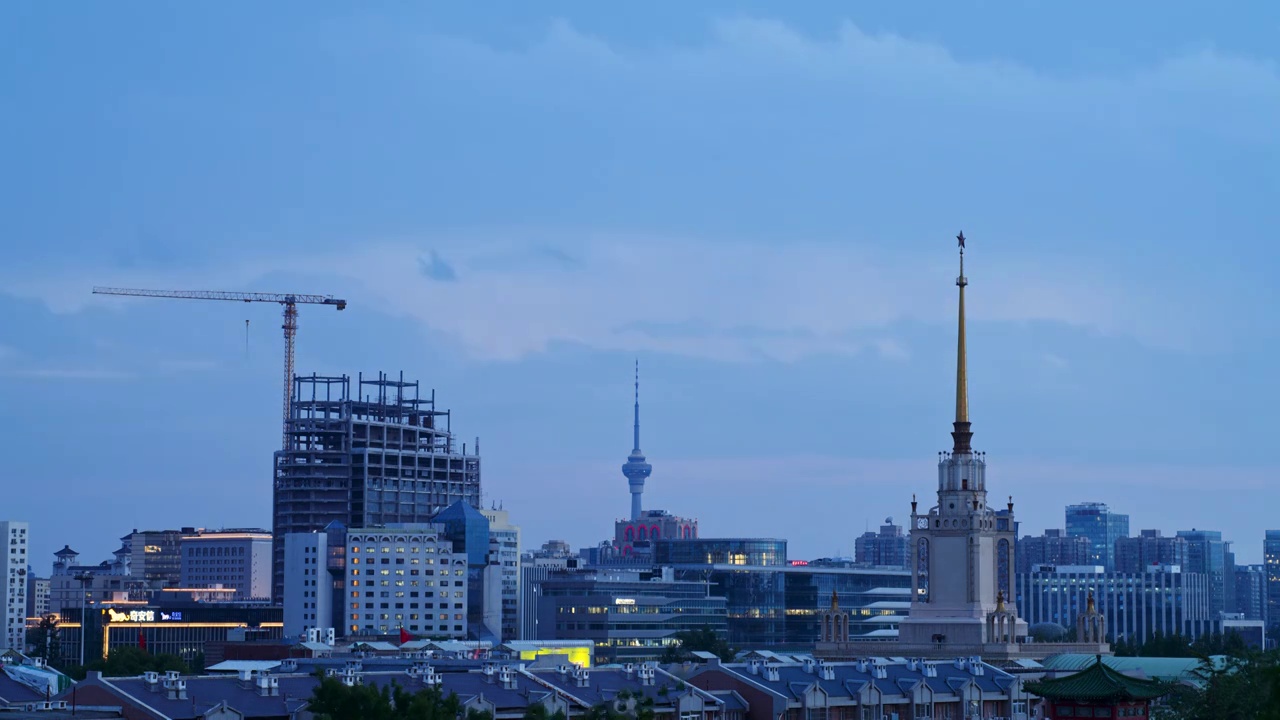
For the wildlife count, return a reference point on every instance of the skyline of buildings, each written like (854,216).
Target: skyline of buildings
(375,479)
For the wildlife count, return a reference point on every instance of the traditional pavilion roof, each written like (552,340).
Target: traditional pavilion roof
(1098,683)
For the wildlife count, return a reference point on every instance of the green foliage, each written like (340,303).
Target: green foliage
(1240,688)
(128,662)
(538,711)
(333,700)
(45,639)
(704,639)
(1230,643)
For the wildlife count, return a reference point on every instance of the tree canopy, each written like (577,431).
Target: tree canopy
(703,639)
(334,700)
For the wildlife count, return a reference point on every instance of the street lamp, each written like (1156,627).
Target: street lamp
(85,578)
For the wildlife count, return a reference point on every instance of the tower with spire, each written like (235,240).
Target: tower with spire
(962,549)
(635,468)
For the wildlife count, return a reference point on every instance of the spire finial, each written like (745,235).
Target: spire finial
(637,425)
(961,433)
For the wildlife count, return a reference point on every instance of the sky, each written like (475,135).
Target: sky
(755,200)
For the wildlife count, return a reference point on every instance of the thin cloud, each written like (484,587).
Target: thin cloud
(71,374)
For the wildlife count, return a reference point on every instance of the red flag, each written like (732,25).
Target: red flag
(142,640)
(404,636)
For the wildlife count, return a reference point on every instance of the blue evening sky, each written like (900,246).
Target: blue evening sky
(755,199)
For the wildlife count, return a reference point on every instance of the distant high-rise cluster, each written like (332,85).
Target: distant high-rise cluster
(1103,527)
(886,548)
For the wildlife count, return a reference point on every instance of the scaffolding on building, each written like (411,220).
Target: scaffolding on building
(383,455)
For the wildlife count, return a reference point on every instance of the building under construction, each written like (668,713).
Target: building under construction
(384,455)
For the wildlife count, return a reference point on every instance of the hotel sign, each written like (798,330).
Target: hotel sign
(140,616)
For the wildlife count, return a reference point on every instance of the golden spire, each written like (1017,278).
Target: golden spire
(835,602)
(1000,601)
(961,434)
(1090,608)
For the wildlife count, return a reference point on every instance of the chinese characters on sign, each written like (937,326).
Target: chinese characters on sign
(139,616)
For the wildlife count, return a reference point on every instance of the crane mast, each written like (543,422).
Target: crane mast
(290,302)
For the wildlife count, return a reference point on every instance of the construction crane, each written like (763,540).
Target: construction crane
(290,302)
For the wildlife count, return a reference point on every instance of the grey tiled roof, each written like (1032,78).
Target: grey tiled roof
(605,683)
(793,679)
(13,692)
(207,691)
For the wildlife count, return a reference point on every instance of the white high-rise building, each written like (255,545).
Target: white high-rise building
(502,577)
(308,586)
(13,567)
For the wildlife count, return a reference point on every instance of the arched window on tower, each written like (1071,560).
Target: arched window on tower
(654,533)
(630,534)
(641,532)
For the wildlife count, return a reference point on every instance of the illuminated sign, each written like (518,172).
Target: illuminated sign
(152,549)
(138,616)
(624,601)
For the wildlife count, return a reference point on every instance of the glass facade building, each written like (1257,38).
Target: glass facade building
(726,551)
(1103,527)
(627,615)
(1207,553)
(1271,562)
(779,607)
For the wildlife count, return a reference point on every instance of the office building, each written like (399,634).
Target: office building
(238,560)
(1054,547)
(408,577)
(1161,599)
(727,551)
(315,582)
(13,612)
(1095,521)
(887,548)
(468,530)
(501,585)
(155,556)
(1136,554)
(628,615)
(535,567)
(379,455)
(375,581)
(1271,561)
(37,594)
(1207,553)
(1251,592)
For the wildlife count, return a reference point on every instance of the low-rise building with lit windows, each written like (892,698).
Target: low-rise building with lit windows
(628,615)
(239,560)
(178,628)
(405,577)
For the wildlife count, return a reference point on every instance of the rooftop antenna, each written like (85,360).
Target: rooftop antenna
(246,338)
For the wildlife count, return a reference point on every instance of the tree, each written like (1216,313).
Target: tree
(703,639)
(128,662)
(46,639)
(538,711)
(334,700)
(1229,689)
